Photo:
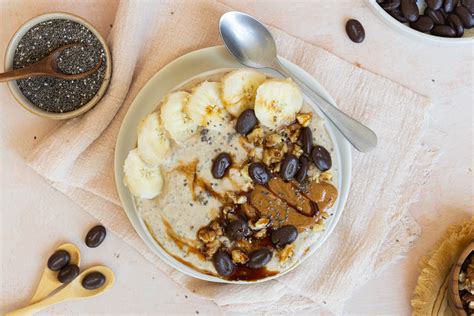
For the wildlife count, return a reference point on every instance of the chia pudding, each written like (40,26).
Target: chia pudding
(235,198)
(53,94)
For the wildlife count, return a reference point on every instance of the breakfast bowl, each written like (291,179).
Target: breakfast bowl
(104,72)
(405,29)
(461,283)
(168,222)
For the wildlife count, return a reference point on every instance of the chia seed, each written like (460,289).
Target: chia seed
(58,95)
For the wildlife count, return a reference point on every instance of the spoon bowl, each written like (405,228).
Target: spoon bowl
(49,280)
(78,291)
(252,44)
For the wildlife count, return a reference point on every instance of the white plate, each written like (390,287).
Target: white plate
(174,74)
(406,30)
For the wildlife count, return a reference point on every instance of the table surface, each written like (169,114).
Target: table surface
(35,217)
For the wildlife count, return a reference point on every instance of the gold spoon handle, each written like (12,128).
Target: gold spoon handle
(46,285)
(61,296)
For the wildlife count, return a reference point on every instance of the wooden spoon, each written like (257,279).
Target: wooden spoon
(72,291)
(48,67)
(49,280)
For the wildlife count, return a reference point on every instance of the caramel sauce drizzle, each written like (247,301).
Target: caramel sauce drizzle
(185,244)
(190,172)
(186,263)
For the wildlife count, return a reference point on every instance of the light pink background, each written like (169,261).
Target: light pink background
(34,217)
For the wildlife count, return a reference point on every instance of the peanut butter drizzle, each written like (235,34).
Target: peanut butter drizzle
(176,257)
(323,193)
(285,204)
(189,171)
(190,246)
(289,193)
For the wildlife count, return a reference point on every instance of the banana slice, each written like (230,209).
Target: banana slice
(143,180)
(174,119)
(239,88)
(277,102)
(205,106)
(153,145)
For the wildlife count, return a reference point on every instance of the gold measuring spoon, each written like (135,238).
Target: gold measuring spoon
(73,291)
(49,280)
(48,67)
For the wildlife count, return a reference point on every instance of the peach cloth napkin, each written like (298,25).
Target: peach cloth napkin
(375,229)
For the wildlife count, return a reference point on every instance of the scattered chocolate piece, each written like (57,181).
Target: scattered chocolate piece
(259,258)
(468,4)
(436,16)
(307,140)
(355,31)
(59,260)
(284,235)
(246,122)
(68,273)
(95,236)
(223,263)
(434,4)
(259,173)
(397,14)
(220,164)
(321,158)
(465,15)
(389,5)
(289,167)
(93,280)
(455,22)
(304,168)
(423,24)
(409,10)
(449,5)
(238,230)
(443,30)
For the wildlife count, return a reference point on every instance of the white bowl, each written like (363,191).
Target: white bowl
(414,34)
(16,92)
(202,63)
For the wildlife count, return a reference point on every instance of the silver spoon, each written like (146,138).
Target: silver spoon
(250,42)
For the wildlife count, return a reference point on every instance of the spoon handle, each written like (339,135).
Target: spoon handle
(62,295)
(360,136)
(21,73)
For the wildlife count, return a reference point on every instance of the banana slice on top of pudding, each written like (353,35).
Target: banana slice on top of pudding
(153,144)
(277,102)
(174,119)
(143,180)
(239,88)
(205,106)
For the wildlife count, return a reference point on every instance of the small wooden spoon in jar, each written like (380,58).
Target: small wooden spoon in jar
(73,291)
(49,280)
(48,67)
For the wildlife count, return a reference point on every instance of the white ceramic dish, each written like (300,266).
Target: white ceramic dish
(18,95)
(196,64)
(414,34)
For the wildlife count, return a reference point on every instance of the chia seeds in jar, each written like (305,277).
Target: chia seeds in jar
(53,94)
